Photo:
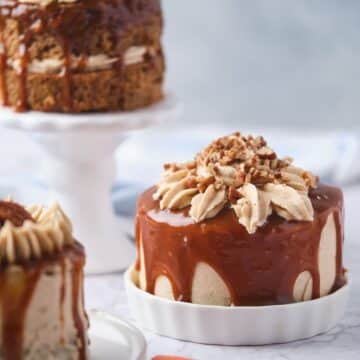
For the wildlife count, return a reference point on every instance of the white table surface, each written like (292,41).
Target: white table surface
(343,342)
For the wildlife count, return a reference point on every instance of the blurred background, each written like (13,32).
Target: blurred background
(275,63)
(285,69)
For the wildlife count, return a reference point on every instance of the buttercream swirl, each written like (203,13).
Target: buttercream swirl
(49,231)
(243,173)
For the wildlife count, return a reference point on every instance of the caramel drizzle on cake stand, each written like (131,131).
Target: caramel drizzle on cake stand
(54,19)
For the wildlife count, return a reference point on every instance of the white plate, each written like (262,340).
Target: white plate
(236,325)
(112,338)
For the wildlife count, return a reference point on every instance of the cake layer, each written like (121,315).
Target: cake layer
(71,37)
(217,261)
(101,33)
(137,86)
(42,309)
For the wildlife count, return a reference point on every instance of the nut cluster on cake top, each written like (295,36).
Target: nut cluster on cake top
(241,172)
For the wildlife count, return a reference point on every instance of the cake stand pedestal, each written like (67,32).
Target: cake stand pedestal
(80,170)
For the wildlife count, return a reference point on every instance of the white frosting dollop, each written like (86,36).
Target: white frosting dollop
(242,173)
(207,204)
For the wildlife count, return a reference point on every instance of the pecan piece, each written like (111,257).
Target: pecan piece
(13,212)
(233,195)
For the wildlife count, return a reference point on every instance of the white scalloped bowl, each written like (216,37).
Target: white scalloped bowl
(238,325)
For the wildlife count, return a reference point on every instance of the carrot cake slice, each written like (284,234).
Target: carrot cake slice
(42,312)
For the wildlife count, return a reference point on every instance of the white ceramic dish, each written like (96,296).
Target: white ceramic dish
(112,338)
(246,325)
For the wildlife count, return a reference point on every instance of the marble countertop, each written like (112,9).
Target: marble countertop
(343,342)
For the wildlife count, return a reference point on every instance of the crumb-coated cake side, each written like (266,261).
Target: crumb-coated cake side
(80,55)
(239,226)
(42,313)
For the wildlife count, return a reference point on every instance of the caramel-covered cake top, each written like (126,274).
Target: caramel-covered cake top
(241,172)
(32,233)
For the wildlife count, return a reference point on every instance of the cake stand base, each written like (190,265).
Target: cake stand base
(80,170)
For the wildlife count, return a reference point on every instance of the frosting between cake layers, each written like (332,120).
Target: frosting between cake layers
(44,3)
(133,55)
(243,173)
(48,232)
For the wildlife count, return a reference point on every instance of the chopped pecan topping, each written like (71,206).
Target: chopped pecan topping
(13,212)
(204,183)
(241,171)
(233,195)
(171,166)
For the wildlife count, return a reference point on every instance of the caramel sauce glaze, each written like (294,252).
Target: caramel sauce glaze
(70,24)
(258,269)
(16,292)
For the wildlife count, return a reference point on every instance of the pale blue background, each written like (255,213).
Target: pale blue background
(265,62)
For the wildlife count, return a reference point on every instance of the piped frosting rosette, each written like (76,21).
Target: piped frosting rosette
(243,173)
(32,233)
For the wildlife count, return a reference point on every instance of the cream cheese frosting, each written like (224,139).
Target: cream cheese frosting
(49,231)
(243,173)
(133,55)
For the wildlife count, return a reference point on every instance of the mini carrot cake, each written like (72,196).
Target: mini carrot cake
(42,312)
(239,226)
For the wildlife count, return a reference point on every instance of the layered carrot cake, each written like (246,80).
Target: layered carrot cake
(42,312)
(239,226)
(80,55)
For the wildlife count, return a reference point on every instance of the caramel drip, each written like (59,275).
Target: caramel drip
(258,269)
(71,24)
(66,74)
(77,278)
(62,299)
(16,293)
(137,243)
(340,271)
(3,88)
(21,104)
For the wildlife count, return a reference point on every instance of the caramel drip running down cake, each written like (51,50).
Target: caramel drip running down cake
(239,226)
(80,55)
(42,312)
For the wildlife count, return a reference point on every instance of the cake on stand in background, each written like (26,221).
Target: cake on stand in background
(80,55)
(72,70)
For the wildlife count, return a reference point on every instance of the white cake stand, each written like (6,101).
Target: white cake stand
(80,170)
